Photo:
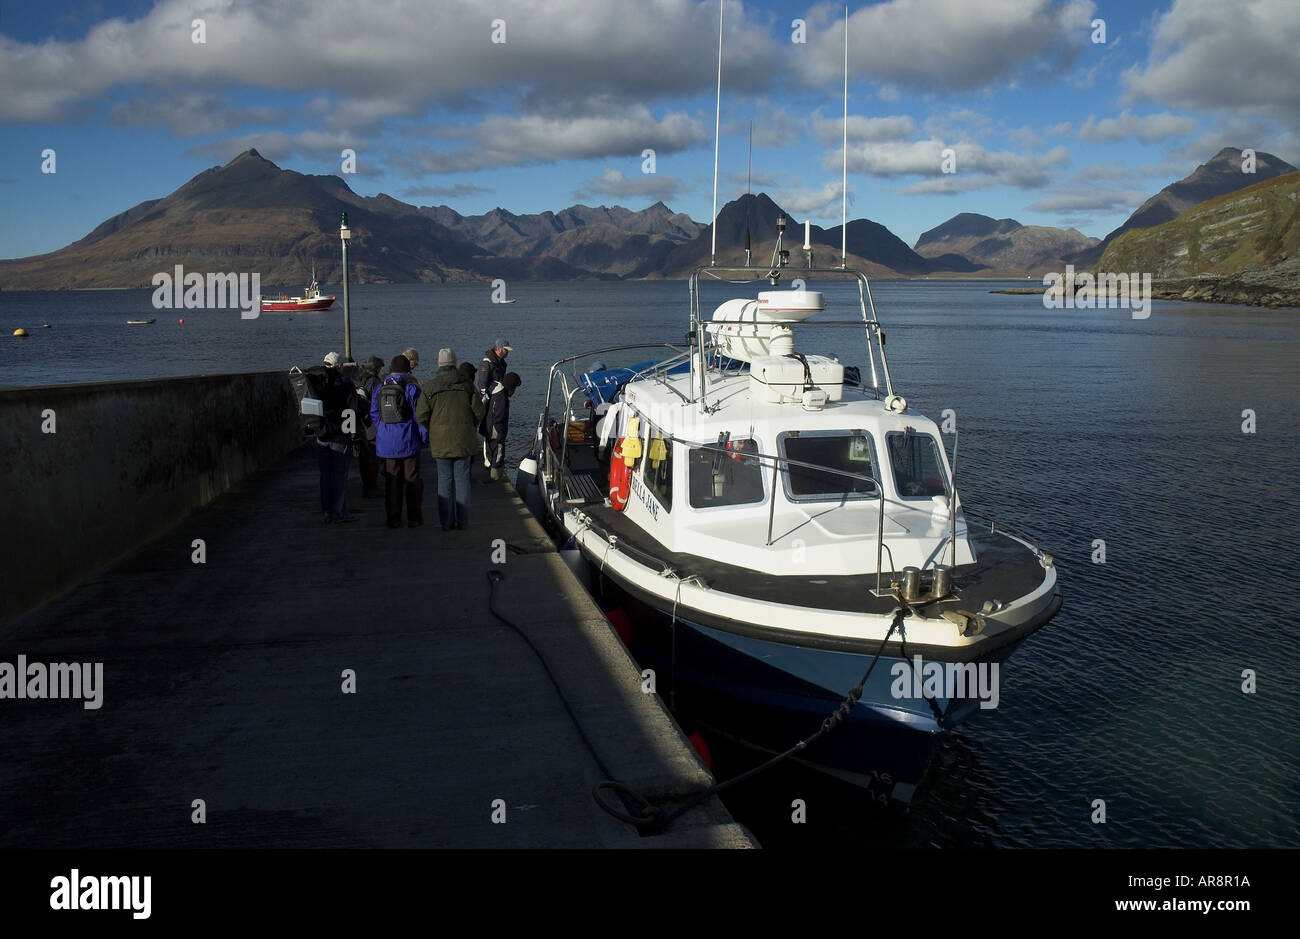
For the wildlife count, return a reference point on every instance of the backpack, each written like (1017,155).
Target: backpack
(309,391)
(394,408)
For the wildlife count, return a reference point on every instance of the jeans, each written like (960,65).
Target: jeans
(333,480)
(453,492)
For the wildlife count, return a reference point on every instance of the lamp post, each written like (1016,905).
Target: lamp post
(345,235)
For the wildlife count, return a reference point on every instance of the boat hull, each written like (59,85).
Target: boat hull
(769,695)
(769,689)
(293,306)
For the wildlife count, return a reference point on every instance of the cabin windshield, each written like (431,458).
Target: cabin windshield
(918,470)
(725,478)
(846,455)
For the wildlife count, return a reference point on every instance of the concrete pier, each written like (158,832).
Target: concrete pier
(224,681)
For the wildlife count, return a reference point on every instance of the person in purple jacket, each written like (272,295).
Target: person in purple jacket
(398,443)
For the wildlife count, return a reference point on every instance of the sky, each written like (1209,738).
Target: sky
(1053,112)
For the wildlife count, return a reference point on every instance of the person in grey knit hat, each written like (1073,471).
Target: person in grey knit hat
(451,409)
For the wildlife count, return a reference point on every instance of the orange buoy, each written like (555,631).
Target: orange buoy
(620,478)
(20,332)
(181,320)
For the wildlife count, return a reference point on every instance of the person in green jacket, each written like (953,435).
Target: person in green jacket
(451,408)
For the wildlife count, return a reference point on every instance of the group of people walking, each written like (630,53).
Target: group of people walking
(456,413)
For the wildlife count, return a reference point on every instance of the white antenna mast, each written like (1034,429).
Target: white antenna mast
(717,124)
(844,180)
(749,189)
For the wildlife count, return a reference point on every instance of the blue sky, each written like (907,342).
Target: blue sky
(1046,125)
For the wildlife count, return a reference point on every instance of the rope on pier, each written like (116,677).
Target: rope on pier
(664,817)
(630,798)
(637,809)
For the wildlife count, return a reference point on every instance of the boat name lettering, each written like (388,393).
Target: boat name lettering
(643,496)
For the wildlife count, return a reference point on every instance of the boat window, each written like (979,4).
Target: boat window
(658,467)
(918,469)
(725,478)
(840,452)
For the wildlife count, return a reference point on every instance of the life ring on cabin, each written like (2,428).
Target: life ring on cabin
(620,478)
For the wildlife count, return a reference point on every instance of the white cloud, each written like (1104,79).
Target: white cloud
(868,129)
(976,167)
(395,57)
(189,114)
(823,203)
(1090,201)
(614,184)
(1145,128)
(279,146)
(1212,55)
(1238,132)
(499,140)
(774,126)
(946,44)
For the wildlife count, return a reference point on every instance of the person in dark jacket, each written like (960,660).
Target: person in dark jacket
(491,371)
(366,456)
(451,409)
(398,442)
(414,358)
(496,423)
(334,443)
(493,367)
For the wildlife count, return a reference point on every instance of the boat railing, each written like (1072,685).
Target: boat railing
(558,371)
(558,366)
(875,338)
(994,528)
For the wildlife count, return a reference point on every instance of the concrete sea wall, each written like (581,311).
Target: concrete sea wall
(124,462)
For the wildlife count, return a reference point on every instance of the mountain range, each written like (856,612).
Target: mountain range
(1227,171)
(251,215)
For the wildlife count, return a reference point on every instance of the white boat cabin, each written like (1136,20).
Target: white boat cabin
(706,482)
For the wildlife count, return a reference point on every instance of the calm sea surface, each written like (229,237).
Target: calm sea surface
(1075,426)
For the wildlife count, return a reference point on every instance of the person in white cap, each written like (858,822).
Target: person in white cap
(491,374)
(334,443)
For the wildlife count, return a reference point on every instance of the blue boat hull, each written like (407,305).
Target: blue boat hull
(770,695)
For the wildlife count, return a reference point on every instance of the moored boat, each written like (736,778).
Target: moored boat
(775,525)
(311,301)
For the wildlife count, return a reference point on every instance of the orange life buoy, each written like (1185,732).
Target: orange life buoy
(620,476)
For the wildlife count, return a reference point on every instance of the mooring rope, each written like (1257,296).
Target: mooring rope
(637,809)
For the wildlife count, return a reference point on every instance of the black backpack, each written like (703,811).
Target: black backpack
(394,408)
(311,384)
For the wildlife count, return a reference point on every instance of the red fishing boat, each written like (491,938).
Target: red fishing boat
(311,300)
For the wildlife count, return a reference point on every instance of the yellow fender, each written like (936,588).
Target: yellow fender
(632,448)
